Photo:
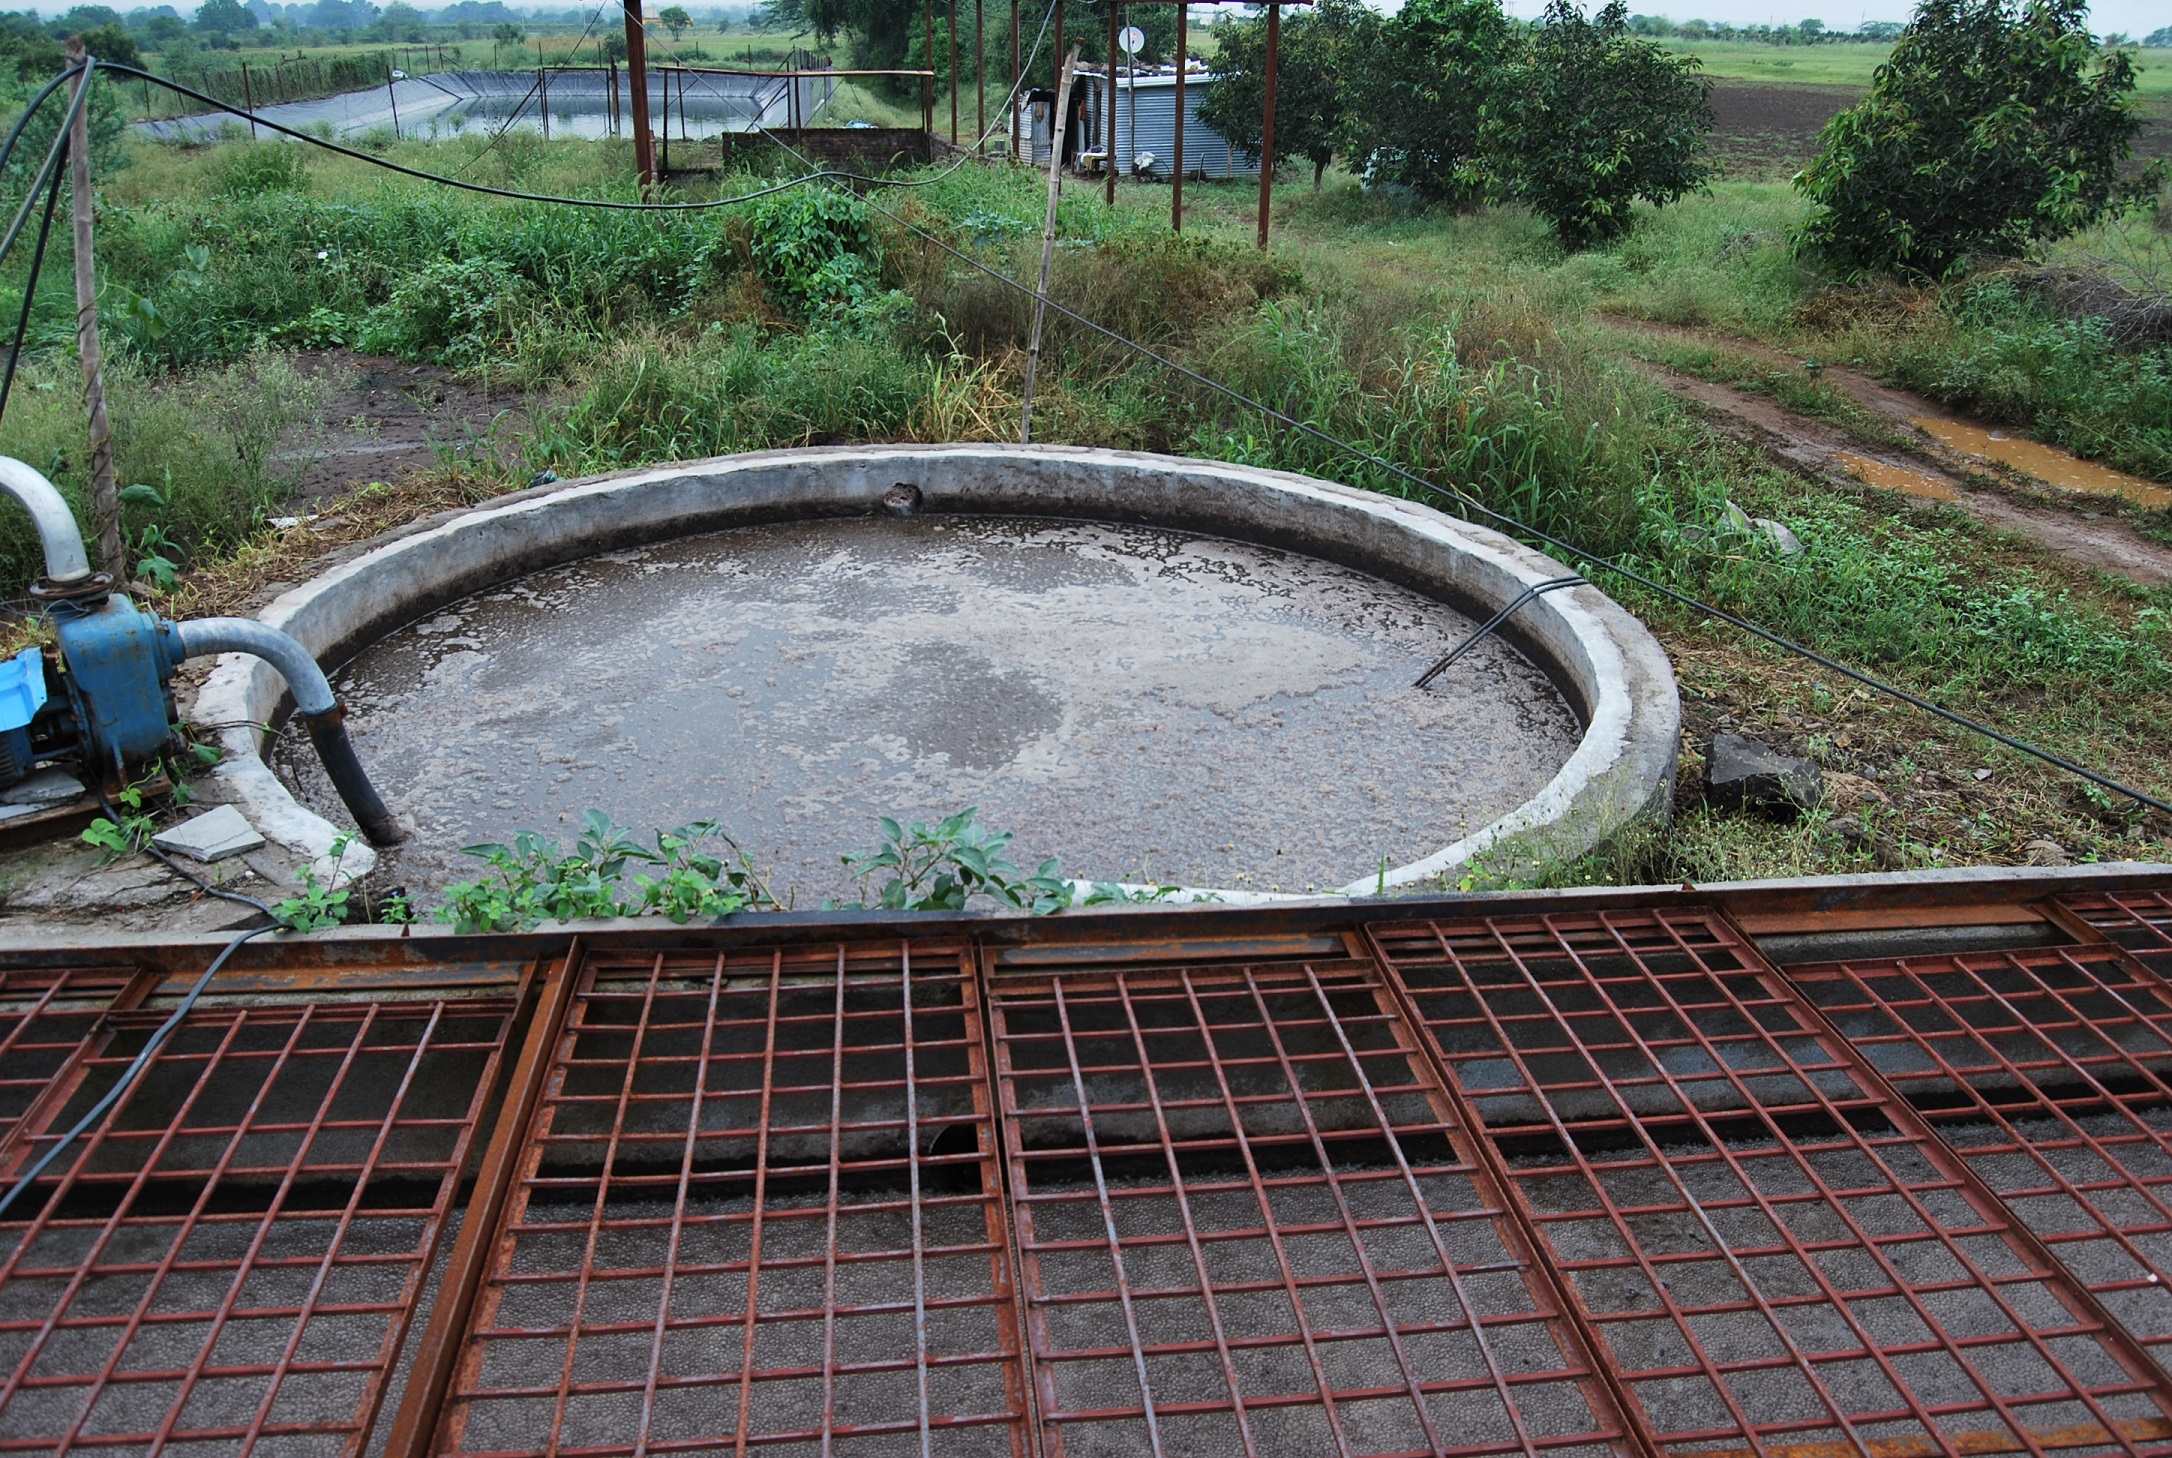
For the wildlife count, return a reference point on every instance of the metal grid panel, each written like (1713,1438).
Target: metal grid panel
(2050,1071)
(759,1206)
(45,1016)
(2140,921)
(228,1261)
(1247,1224)
(1773,1250)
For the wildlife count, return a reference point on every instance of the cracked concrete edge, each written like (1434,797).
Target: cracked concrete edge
(1603,659)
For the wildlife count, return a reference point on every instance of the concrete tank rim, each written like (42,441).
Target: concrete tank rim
(1621,771)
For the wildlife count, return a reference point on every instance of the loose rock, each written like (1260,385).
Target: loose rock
(1742,774)
(2047,853)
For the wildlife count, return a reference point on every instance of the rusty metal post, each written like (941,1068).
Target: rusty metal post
(1108,117)
(927,87)
(1267,121)
(980,78)
(663,165)
(953,73)
(1018,81)
(248,100)
(1056,52)
(543,100)
(637,81)
(1048,242)
(393,97)
(105,497)
(1176,176)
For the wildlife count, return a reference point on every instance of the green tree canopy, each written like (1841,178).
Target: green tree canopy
(1587,118)
(1414,101)
(1309,82)
(224,17)
(1992,127)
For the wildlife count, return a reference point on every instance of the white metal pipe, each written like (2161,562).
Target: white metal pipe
(201,636)
(65,559)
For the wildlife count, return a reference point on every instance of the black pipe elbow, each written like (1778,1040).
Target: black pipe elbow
(328,732)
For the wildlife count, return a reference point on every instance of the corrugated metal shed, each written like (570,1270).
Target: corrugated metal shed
(1146,123)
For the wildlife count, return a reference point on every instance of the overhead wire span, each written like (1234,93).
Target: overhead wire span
(1463,499)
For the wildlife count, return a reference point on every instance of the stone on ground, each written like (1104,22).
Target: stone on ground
(211,836)
(1742,774)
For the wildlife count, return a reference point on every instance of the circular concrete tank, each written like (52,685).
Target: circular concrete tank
(1158,669)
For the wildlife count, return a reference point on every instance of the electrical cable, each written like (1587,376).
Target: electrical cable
(1355,452)
(30,294)
(130,1074)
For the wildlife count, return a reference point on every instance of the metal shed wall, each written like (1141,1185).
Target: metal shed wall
(1146,122)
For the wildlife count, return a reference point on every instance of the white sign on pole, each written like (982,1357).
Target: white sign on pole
(1132,39)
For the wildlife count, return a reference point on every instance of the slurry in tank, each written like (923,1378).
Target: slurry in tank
(1145,704)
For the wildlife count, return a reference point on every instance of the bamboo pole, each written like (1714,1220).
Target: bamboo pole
(105,495)
(1048,245)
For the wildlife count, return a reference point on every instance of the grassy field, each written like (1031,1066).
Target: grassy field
(1848,65)
(1464,346)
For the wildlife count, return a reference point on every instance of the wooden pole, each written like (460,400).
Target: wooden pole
(927,86)
(105,496)
(980,78)
(543,99)
(1018,81)
(953,73)
(1108,113)
(1058,49)
(248,100)
(1267,121)
(1176,177)
(1048,244)
(637,82)
(663,167)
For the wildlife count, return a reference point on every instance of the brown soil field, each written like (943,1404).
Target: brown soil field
(1768,132)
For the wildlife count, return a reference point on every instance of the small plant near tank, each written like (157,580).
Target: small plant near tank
(943,866)
(323,900)
(534,880)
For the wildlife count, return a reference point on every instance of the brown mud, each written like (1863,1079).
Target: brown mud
(388,418)
(2051,484)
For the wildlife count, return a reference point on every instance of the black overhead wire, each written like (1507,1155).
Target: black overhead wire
(1462,498)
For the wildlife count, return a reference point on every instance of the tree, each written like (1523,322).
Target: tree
(1586,119)
(675,19)
(2159,38)
(1417,90)
(1991,127)
(1880,30)
(1309,85)
(111,43)
(224,17)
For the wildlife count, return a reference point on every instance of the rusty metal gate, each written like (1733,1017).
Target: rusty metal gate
(1437,1178)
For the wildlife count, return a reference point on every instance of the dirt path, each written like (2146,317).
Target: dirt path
(1937,469)
(389,417)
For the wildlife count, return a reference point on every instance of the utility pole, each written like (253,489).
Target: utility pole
(105,496)
(637,81)
(1048,243)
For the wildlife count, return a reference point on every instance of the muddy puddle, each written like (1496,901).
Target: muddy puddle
(1897,478)
(2051,466)
(1144,704)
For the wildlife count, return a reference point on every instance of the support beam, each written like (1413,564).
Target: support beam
(1018,81)
(105,495)
(927,87)
(1108,114)
(1176,175)
(953,73)
(1267,121)
(637,82)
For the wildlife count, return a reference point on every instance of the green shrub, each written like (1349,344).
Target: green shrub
(263,167)
(1418,95)
(816,250)
(1990,129)
(451,311)
(1588,119)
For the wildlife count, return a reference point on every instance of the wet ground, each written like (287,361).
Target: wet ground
(1144,704)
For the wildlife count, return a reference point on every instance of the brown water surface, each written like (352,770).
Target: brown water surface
(1897,478)
(2046,464)
(1143,703)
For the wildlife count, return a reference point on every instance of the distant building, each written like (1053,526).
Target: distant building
(1145,127)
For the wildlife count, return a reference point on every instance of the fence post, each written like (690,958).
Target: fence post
(1048,245)
(1267,121)
(394,98)
(1176,176)
(105,497)
(248,99)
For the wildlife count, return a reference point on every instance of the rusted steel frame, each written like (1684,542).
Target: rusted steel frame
(396,1329)
(2145,921)
(829,1216)
(1499,1186)
(997,1181)
(1184,1208)
(65,1186)
(2080,1435)
(15,1142)
(1108,1215)
(2044,1105)
(678,1213)
(416,1423)
(595,1218)
(133,1322)
(1707,1366)
(1411,1380)
(1480,1180)
(1023,1201)
(2078,1299)
(912,1087)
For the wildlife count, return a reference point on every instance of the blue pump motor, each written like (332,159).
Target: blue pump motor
(22,694)
(120,667)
